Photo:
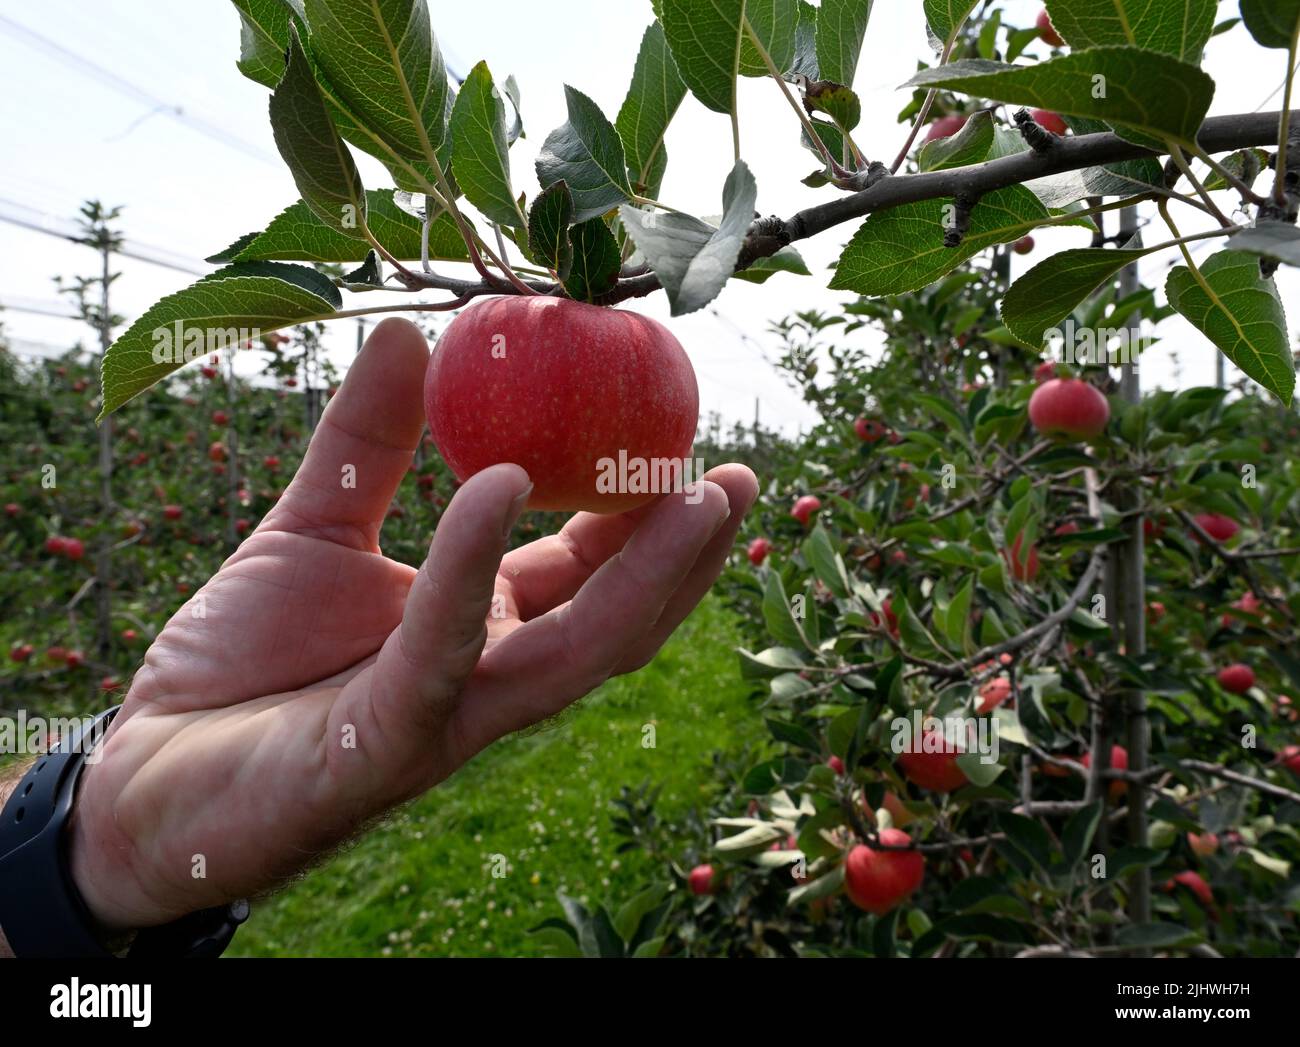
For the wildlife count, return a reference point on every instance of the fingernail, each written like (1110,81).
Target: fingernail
(512,513)
(726,515)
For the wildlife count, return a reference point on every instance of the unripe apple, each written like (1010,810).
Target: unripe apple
(1118,762)
(1046,31)
(835,764)
(938,770)
(878,880)
(569,391)
(1193,882)
(869,430)
(1217,526)
(758,550)
(1237,678)
(700,880)
(804,508)
(74,548)
(1203,845)
(945,127)
(1024,245)
(1069,408)
(1024,568)
(1050,121)
(172,512)
(993,693)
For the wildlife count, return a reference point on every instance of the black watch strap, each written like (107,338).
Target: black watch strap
(41,912)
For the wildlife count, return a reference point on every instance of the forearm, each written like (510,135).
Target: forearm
(10,776)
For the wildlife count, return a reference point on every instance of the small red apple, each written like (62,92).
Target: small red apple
(1046,31)
(74,659)
(878,880)
(220,418)
(172,512)
(758,550)
(21,652)
(572,392)
(129,636)
(1203,845)
(1237,678)
(217,452)
(208,372)
(1156,609)
(12,509)
(74,548)
(271,462)
(1069,408)
(1024,245)
(835,764)
(241,526)
(1217,526)
(700,880)
(805,507)
(1045,372)
(1290,759)
(55,545)
(993,693)
(936,769)
(1050,121)
(898,812)
(945,127)
(1118,762)
(869,430)
(1193,882)
(109,683)
(56,654)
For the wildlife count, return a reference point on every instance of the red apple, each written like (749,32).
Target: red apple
(172,512)
(898,812)
(571,392)
(1203,845)
(758,550)
(993,693)
(208,372)
(1046,31)
(700,880)
(804,508)
(1024,568)
(1237,678)
(934,770)
(109,683)
(1156,609)
(869,430)
(217,452)
(835,764)
(1193,882)
(220,418)
(12,509)
(1217,526)
(129,636)
(1119,762)
(74,659)
(74,548)
(56,654)
(1024,245)
(945,127)
(21,652)
(1050,121)
(1070,408)
(55,545)
(878,880)
(271,462)
(1290,759)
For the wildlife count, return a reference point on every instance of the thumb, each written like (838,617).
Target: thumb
(425,661)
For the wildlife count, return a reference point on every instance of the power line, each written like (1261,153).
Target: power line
(131,90)
(38,306)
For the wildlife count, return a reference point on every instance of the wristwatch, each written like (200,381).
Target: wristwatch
(41,911)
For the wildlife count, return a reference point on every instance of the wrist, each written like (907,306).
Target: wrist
(95,865)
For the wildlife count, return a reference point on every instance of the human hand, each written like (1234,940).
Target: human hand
(312,683)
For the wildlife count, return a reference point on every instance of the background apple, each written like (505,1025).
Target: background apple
(937,771)
(555,386)
(1069,407)
(1217,526)
(758,550)
(1237,678)
(878,880)
(805,507)
(1046,31)
(945,126)
(700,880)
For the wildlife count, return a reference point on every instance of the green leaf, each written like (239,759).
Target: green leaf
(1119,179)
(902,249)
(263,39)
(369,277)
(1179,29)
(1275,240)
(585,152)
(548,228)
(1049,292)
(841,28)
(776,613)
(956,624)
(773,23)
(596,261)
(705,38)
(1246,164)
(826,562)
(692,259)
(944,17)
(629,917)
(1155,936)
(970,145)
(297,235)
(557,937)
(1241,313)
(209,315)
(383,61)
(786,260)
(1149,97)
(1273,23)
(771,662)
(320,163)
(805,62)
(1028,837)
(1078,832)
(480,152)
(657,89)
(516,131)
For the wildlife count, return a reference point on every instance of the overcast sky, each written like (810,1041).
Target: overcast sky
(192,185)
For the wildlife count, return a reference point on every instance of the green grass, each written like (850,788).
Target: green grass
(422,885)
